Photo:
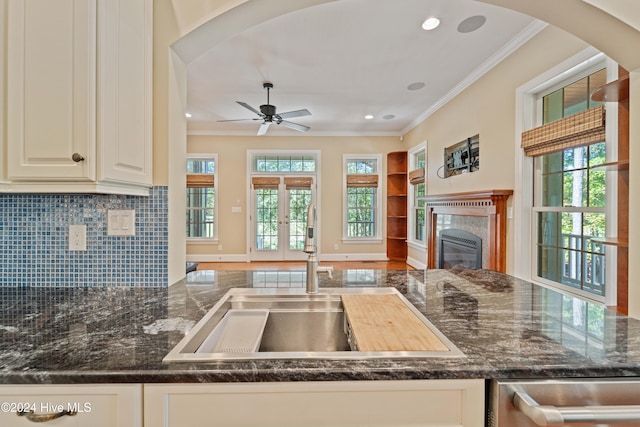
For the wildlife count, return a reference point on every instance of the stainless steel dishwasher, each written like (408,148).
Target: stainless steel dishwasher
(567,402)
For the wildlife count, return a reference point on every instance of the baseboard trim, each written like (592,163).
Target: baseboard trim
(217,258)
(321,257)
(353,257)
(416,264)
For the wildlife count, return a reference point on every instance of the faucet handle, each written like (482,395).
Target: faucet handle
(326,269)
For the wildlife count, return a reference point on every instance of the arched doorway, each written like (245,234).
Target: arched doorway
(205,24)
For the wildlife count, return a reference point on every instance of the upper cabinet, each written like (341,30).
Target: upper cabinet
(78,96)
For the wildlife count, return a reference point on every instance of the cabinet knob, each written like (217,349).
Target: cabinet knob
(77,157)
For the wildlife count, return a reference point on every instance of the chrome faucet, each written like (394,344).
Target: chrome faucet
(310,248)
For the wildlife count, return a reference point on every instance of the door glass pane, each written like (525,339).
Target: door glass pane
(267,219)
(299,200)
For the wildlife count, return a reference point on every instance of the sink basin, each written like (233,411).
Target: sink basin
(298,326)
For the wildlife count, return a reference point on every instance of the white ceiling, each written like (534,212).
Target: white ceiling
(345,59)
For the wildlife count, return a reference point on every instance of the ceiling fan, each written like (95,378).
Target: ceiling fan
(268,115)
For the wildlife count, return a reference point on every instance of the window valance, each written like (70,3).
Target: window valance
(580,129)
(265,182)
(200,181)
(416,176)
(298,182)
(362,180)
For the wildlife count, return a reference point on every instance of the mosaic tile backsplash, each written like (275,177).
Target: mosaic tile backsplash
(34,240)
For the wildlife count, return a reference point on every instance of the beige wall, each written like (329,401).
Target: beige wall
(488,108)
(233,185)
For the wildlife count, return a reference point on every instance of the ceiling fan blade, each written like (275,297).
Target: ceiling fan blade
(295,126)
(239,120)
(263,128)
(249,107)
(296,113)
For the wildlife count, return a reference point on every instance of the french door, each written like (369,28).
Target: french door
(279,216)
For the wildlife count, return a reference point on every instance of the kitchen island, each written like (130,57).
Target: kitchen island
(506,328)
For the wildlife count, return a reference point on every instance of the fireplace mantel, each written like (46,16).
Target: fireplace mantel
(491,204)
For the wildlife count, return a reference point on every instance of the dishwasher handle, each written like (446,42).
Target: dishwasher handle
(558,416)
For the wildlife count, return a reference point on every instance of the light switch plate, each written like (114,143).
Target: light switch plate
(121,222)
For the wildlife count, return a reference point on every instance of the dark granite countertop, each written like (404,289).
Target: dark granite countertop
(506,328)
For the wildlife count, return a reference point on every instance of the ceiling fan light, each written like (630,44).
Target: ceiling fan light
(368,117)
(430,23)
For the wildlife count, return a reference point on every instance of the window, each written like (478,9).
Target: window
(417,190)
(362,206)
(201,197)
(273,163)
(569,197)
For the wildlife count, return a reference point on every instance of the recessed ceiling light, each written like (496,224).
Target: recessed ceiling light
(368,117)
(416,86)
(389,117)
(188,115)
(430,23)
(471,24)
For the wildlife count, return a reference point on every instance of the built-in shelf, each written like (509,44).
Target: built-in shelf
(397,206)
(617,166)
(615,91)
(612,241)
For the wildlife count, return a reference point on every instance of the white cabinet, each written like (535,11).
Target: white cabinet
(105,405)
(78,116)
(348,403)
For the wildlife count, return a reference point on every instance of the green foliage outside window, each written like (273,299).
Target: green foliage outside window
(200,221)
(361,201)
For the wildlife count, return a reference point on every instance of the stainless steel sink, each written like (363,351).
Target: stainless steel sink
(298,326)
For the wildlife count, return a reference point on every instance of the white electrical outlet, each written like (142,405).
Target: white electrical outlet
(77,237)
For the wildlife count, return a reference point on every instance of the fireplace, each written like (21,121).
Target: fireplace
(484,213)
(459,249)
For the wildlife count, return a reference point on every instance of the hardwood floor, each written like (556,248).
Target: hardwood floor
(301,265)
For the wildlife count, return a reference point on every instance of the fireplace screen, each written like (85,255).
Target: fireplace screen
(459,249)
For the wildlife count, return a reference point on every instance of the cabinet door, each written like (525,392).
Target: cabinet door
(125,44)
(105,405)
(340,403)
(51,86)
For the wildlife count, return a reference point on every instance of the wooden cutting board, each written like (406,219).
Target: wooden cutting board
(385,323)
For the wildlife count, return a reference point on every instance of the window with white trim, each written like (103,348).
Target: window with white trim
(569,190)
(417,190)
(201,197)
(361,194)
